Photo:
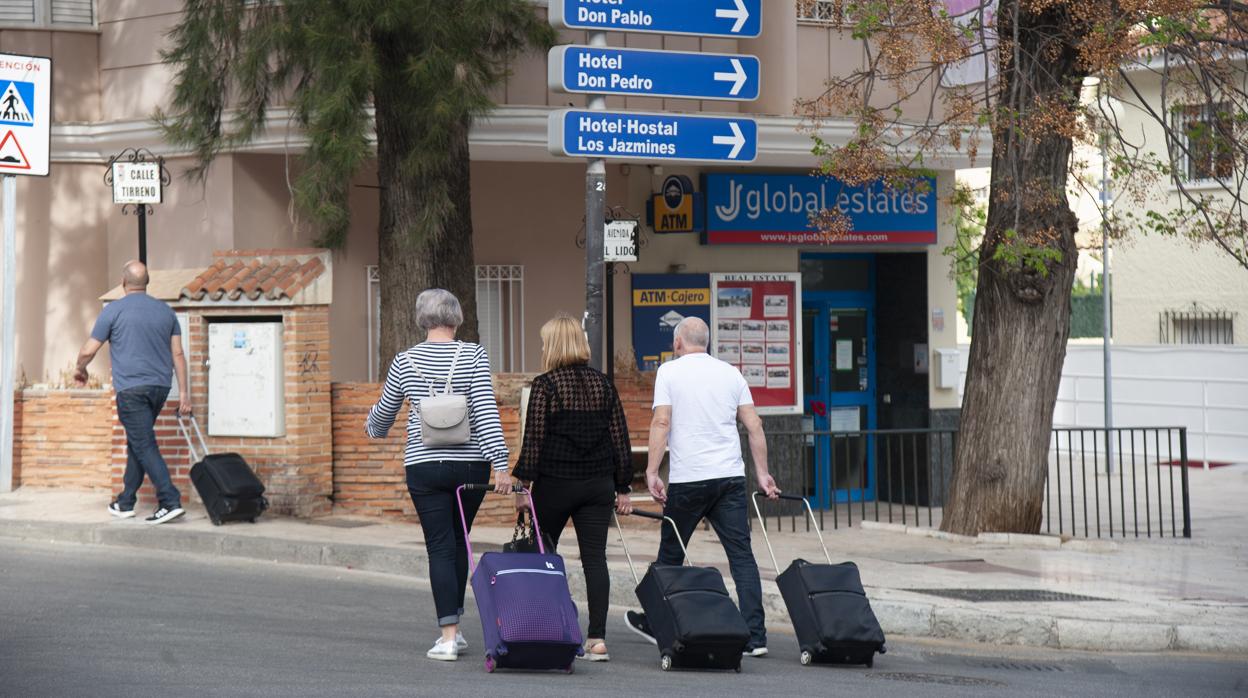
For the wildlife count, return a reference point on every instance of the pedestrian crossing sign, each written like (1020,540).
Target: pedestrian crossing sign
(25,114)
(17,104)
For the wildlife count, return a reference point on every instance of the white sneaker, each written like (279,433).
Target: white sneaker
(443,651)
(460,643)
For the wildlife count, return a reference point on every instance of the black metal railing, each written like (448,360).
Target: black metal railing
(903,475)
(1126,490)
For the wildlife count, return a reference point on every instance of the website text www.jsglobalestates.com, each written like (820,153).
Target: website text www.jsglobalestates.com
(817,237)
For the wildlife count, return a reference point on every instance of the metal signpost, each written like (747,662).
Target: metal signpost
(620,244)
(25,120)
(598,70)
(138,179)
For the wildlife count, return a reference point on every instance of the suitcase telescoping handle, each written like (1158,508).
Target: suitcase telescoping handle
(537,531)
(186,434)
(813,523)
(657,517)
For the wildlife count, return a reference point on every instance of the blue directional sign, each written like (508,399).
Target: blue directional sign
(733,18)
(642,136)
(591,70)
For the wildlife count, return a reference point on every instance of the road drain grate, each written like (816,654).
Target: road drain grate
(340,523)
(1006,595)
(1021,666)
(941,679)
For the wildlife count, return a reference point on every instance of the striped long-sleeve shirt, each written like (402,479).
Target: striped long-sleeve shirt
(471,379)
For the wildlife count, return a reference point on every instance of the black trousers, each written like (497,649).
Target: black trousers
(589,504)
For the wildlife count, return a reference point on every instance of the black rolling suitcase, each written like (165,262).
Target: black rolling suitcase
(827,604)
(695,623)
(230,489)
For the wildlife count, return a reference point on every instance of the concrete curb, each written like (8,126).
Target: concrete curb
(896,616)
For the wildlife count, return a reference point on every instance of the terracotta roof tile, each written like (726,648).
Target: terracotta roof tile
(271,274)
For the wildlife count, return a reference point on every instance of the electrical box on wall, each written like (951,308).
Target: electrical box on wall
(947,368)
(246,379)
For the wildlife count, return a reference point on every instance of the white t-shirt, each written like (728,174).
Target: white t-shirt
(704,394)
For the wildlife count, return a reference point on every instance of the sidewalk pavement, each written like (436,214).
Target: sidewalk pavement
(1145,595)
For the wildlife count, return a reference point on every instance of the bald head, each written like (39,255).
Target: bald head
(134,276)
(691,336)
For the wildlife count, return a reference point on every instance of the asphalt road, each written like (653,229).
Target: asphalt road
(88,620)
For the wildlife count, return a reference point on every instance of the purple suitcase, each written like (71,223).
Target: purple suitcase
(528,620)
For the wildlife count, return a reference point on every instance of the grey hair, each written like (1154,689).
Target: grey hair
(694,332)
(436,307)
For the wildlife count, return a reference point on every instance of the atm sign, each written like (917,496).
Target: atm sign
(671,296)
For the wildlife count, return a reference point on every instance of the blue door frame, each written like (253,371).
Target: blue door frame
(821,307)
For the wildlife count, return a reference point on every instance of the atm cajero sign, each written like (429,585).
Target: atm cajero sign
(676,209)
(644,297)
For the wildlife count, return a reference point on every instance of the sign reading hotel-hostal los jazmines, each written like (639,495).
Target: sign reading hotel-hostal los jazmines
(731,18)
(780,209)
(25,114)
(643,136)
(136,183)
(603,70)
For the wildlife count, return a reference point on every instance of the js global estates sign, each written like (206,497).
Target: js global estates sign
(783,209)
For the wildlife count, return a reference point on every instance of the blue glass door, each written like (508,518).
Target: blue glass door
(840,365)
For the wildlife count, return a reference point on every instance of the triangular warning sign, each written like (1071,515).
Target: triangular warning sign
(13,107)
(12,157)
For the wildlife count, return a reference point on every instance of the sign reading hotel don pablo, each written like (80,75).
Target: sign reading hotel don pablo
(728,18)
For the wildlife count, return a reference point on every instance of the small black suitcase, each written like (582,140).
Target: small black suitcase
(828,606)
(695,623)
(230,489)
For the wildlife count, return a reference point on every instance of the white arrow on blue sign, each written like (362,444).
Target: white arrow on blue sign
(734,18)
(647,136)
(592,70)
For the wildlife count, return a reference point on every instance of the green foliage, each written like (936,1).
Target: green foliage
(433,62)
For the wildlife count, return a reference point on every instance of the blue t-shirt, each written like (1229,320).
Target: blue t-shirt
(138,329)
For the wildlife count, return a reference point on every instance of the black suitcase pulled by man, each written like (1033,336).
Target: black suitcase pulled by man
(227,485)
(695,623)
(828,605)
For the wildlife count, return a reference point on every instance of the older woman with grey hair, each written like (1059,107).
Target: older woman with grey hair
(435,471)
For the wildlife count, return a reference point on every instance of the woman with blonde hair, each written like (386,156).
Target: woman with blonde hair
(577,458)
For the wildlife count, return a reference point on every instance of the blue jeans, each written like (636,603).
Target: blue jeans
(432,486)
(137,410)
(722,502)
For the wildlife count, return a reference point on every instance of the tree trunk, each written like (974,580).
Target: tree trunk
(421,243)
(1022,316)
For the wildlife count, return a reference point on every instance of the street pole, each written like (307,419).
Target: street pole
(1106,318)
(143,233)
(595,206)
(610,316)
(10,330)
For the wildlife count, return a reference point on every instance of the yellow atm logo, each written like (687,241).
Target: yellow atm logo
(673,220)
(671,296)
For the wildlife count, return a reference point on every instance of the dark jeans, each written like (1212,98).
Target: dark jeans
(589,504)
(432,486)
(722,502)
(137,410)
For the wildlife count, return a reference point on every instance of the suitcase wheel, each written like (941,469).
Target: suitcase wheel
(489,664)
(216,522)
(807,657)
(252,519)
(570,668)
(871,662)
(666,662)
(737,668)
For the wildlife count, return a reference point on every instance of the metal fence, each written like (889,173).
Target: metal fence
(903,476)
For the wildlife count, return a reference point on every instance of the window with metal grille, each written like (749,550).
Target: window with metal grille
(1207,133)
(1197,326)
(819,11)
(45,13)
(500,315)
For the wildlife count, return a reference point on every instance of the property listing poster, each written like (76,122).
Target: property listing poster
(755,326)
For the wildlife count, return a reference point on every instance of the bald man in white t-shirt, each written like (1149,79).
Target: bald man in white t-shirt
(698,400)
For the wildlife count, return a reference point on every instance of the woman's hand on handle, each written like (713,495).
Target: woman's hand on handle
(502,482)
(623,505)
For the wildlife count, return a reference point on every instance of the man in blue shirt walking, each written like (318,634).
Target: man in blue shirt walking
(145,347)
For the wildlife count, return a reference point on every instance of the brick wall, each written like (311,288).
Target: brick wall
(368,473)
(62,438)
(297,469)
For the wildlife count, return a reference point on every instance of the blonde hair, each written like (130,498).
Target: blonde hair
(563,343)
